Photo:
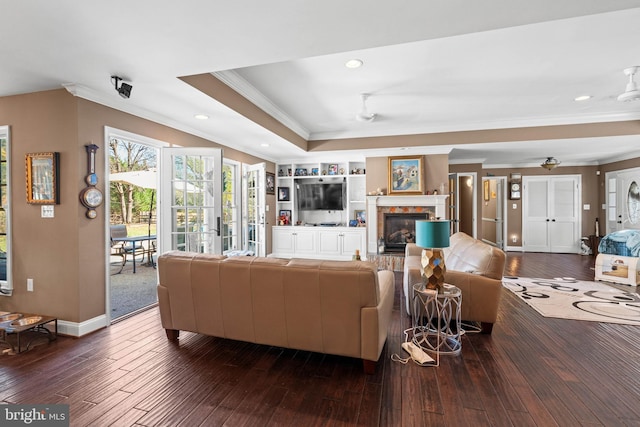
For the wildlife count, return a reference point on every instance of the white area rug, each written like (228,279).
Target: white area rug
(568,298)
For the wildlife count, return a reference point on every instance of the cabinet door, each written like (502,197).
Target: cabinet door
(283,241)
(353,241)
(305,241)
(329,243)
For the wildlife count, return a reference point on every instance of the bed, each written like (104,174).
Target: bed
(618,256)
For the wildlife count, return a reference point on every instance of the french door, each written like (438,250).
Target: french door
(254,191)
(623,201)
(191,200)
(551,215)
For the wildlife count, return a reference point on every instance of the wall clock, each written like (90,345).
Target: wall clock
(515,188)
(91,197)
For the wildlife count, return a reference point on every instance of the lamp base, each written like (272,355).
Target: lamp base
(433,268)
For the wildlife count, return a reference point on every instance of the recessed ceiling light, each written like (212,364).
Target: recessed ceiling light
(201,116)
(353,63)
(264,144)
(582,98)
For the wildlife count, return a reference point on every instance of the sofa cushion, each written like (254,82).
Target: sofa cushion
(473,256)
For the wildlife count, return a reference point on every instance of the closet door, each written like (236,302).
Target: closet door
(564,234)
(551,217)
(536,214)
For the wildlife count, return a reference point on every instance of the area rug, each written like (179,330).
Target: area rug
(568,298)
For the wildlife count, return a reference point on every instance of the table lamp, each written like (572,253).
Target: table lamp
(432,236)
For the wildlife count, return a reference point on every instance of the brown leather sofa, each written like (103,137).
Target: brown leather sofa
(334,307)
(473,266)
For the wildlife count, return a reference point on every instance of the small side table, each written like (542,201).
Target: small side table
(21,323)
(436,319)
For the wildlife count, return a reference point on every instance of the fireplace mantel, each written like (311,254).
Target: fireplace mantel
(437,201)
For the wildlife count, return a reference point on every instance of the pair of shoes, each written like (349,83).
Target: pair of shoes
(417,354)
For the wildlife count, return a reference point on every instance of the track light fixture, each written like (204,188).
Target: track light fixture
(124,89)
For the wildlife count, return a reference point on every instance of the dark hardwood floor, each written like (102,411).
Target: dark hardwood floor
(532,371)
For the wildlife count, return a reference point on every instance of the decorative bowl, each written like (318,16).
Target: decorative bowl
(10,317)
(31,320)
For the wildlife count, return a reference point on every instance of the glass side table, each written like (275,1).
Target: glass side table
(436,319)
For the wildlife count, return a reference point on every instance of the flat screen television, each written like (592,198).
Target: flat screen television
(321,196)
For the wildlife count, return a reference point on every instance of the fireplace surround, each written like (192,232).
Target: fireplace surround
(428,206)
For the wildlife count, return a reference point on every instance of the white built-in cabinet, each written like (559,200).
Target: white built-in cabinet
(352,172)
(302,240)
(339,243)
(291,242)
(551,213)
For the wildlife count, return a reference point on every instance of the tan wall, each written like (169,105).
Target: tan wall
(435,172)
(66,255)
(590,195)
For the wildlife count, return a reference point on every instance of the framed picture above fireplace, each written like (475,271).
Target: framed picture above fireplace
(405,175)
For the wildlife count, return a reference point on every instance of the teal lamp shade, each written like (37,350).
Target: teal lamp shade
(432,234)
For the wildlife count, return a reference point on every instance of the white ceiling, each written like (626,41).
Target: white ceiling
(430,66)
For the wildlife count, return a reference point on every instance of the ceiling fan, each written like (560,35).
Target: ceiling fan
(631,93)
(364,115)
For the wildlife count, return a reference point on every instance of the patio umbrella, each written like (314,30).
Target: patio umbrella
(146,179)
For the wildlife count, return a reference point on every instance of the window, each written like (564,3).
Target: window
(5,220)
(230,204)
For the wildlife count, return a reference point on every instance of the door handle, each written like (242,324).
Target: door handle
(218,226)
(547,219)
(553,220)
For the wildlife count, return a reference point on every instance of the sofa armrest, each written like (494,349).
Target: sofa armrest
(164,304)
(376,320)
(481,295)
(411,249)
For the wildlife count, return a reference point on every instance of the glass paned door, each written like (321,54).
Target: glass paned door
(191,199)
(254,218)
(230,206)
(6,286)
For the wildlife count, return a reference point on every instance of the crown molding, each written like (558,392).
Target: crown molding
(232,79)
(111,102)
(476,126)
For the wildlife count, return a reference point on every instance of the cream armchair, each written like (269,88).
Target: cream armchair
(473,266)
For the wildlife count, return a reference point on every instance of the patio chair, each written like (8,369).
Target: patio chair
(121,248)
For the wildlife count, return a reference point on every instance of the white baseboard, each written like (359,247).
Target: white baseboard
(79,329)
(514,249)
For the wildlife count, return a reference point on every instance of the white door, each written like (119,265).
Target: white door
(500,210)
(623,200)
(551,217)
(563,231)
(614,207)
(493,211)
(191,199)
(255,212)
(536,214)
(453,203)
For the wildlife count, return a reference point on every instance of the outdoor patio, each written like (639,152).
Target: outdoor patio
(131,292)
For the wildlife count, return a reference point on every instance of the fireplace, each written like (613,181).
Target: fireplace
(400,229)
(425,206)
